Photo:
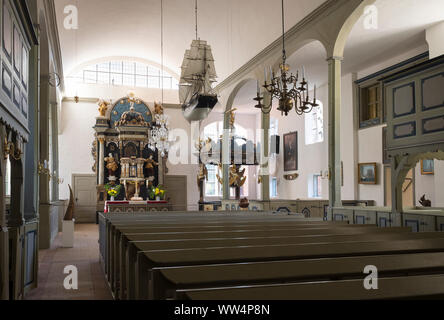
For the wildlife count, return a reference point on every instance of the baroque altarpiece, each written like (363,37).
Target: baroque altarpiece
(123,153)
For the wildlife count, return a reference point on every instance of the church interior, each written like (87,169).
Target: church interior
(221,150)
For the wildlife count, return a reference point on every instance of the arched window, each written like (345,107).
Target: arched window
(314,125)
(212,187)
(126,73)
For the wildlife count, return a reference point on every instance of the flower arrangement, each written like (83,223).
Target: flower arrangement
(112,190)
(156,192)
(160,192)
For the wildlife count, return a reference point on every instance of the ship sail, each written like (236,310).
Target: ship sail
(197,76)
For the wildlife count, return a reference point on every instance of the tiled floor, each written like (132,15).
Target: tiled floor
(84,256)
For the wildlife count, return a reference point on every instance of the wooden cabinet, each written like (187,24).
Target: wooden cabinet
(365,217)
(419,222)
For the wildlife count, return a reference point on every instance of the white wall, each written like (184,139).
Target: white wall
(434,36)
(75,141)
(311,158)
(430,185)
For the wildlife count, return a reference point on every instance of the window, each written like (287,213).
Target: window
(273,187)
(8,178)
(212,186)
(274,127)
(315,186)
(126,73)
(314,125)
(370,101)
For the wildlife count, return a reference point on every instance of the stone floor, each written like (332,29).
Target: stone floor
(84,256)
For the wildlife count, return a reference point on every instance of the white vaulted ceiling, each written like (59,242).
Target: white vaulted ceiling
(237,30)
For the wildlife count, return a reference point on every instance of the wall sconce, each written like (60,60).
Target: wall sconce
(325,174)
(42,168)
(12,149)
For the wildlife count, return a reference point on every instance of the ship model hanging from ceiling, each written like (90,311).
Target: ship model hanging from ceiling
(195,87)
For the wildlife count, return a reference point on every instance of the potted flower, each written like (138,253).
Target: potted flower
(112,190)
(160,192)
(151,193)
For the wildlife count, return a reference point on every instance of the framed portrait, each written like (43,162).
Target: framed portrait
(291,151)
(367,173)
(427,167)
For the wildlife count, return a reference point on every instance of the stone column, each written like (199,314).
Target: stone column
(101,161)
(54,152)
(44,138)
(226,157)
(264,161)
(334,130)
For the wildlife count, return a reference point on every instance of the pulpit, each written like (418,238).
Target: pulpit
(128,163)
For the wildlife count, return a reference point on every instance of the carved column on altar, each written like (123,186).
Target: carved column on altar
(101,160)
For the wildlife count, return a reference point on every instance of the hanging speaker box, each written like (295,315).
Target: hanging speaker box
(275,141)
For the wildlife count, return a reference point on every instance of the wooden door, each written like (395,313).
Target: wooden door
(176,192)
(85,197)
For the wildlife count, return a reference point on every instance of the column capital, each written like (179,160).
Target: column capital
(335,58)
(101,139)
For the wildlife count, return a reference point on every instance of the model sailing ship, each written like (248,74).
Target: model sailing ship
(195,87)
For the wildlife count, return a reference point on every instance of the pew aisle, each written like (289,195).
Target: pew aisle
(263,256)
(84,255)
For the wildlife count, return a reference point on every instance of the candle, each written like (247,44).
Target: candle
(314,98)
(303,72)
(271,74)
(258,89)
(265,74)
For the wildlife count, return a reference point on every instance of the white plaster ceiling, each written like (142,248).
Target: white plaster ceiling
(236,30)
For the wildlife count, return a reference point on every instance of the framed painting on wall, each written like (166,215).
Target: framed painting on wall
(427,167)
(367,173)
(291,151)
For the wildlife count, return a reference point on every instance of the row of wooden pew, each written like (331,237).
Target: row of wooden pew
(256,256)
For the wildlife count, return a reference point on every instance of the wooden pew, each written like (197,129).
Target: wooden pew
(115,245)
(127,272)
(167,281)
(119,245)
(182,257)
(113,229)
(413,287)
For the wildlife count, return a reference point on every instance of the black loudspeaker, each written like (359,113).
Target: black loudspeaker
(275,142)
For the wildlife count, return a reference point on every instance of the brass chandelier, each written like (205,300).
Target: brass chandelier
(286,88)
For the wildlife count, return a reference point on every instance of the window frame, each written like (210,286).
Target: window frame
(153,75)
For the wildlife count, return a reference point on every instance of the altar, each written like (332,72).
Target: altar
(129,166)
(136,206)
